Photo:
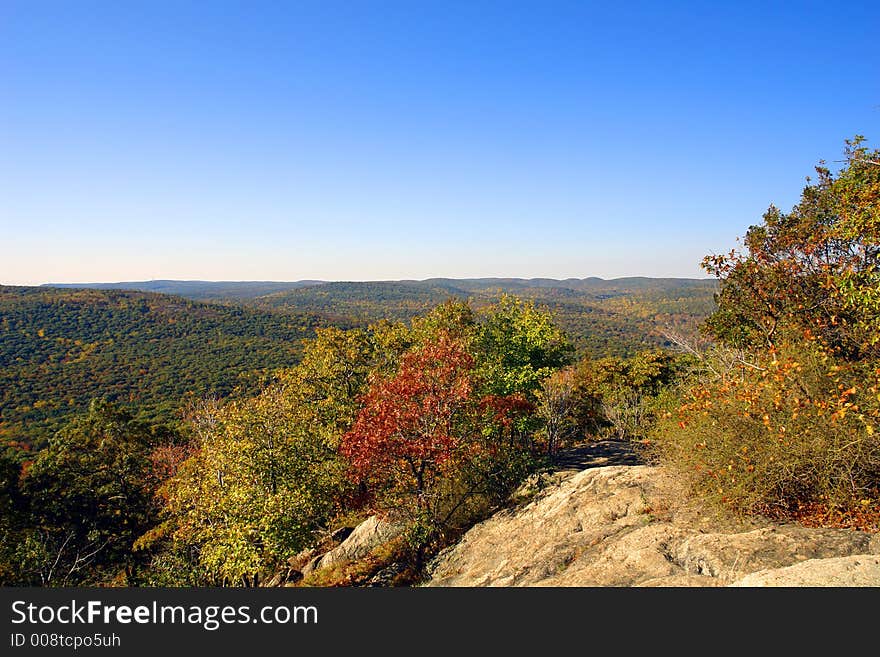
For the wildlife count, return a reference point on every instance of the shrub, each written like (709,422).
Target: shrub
(794,435)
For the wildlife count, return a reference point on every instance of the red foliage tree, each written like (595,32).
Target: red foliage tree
(410,425)
(423,436)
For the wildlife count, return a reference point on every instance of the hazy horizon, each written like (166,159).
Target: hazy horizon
(372,280)
(401,141)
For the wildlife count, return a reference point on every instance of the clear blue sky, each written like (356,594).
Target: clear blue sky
(364,141)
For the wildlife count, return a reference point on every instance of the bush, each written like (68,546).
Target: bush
(607,398)
(783,416)
(792,435)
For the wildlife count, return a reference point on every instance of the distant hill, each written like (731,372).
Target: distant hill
(603,317)
(61,347)
(197,290)
(243,290)
(626,285)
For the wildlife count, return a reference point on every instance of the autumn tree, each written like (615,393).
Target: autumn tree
(813,271)
(422,430)
(789,427)
(412,426)
(424,441)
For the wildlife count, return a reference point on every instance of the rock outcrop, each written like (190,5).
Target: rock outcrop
(363,539)
(858,570)
(619,526)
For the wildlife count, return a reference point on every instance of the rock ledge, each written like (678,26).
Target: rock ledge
(615,526)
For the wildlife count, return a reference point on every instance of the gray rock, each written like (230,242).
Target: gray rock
(679,581)
(387,575)
(312,565)
(275,580)
(302,557)
(286,577)
(616,526)
(730,556)
(365,538)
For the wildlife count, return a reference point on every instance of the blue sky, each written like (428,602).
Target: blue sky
(369,141)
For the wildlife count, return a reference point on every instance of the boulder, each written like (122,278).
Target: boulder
(293,576)
(311,565)
(275,580)
(286,577)
(366,537)
(387,576)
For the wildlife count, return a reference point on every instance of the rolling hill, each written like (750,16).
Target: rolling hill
(196,290)
(59,348)
(614,317)
(604,317)
(62,346)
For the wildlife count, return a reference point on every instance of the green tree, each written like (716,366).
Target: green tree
(260,484)
(332,374)
(517,345)
(90,498)
(266,477)
(14,516)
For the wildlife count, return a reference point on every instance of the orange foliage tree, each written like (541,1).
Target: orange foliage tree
(791,426)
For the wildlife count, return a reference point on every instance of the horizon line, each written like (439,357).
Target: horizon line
(374,280)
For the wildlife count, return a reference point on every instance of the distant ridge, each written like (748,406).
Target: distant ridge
(197,290)
(229,290)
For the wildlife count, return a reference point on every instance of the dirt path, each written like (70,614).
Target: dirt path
(594,455)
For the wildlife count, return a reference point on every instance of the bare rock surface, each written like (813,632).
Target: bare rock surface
(620,525)
(857,570)
(366,537)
